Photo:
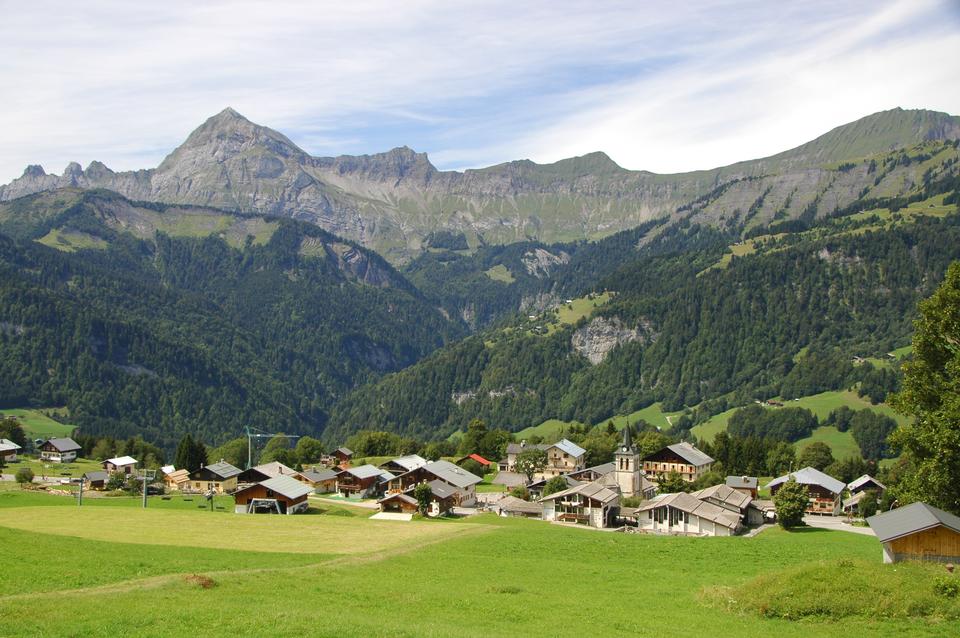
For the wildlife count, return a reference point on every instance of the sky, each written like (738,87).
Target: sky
(661,86)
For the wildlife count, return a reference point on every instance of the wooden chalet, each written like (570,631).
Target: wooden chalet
(824,490)
(463,482)
(365,481)
(403,464)
(399,502)
(96,480)
(342,456)
(682,458)
(746,484)
(176,479)
(442,500)
(322,481)
(866,483)
(563,457)
(281,494)
(220,478)
(586,504)
(918,532)
(60,450)
(122,464)
(9,450)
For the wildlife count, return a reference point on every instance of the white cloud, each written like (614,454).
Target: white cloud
(665,86)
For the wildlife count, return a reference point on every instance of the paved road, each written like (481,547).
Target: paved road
(836,523)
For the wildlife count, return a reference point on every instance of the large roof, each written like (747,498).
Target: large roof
(517,448)
(223,469)
(455,475)
(743,482)
(514,504)
(408,462)
(64,444)
(122,460)
(593,490)
(440,489)
(724,494)
(275,468)
(178,475)
(287,486)
(322,475)
(569,447)
(344,450)
(690,454)
(811,476)
(6,445)
(911,519)
(864,480)
(366,471)
(509,479)
(96,476)
(692,505)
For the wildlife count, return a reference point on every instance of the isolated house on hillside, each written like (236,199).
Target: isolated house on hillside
(918,532)
(9,450)
(682,458)
(62,450)
(343,455)
(122,464)
(281,494)
(218,477)
(586,504)
(824,490)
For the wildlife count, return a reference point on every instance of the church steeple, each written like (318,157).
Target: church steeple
(627,465)
(627,439)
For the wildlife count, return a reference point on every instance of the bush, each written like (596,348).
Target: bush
(947,586)
(520,492)
(24,475)
(791,502)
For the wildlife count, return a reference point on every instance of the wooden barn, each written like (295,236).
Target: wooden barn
(281,494)
(8,450)
(343,456)
(96,480)
(918,532)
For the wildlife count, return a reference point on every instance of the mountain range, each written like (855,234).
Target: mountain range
(393,201)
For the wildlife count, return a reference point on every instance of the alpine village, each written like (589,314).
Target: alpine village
(251,389)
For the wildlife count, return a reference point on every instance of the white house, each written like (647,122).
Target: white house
(586,504)
(62,450)
(683,514)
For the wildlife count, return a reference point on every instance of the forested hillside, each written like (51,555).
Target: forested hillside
(160,335)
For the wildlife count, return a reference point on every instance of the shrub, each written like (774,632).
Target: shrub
(791,502)
(24,475)
(947,586)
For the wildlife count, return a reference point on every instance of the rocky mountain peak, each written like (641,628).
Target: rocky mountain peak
(34,170)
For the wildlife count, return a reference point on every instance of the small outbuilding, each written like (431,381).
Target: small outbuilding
(918,532)
(176,479)
(122,464)
(281,494)
(96,480)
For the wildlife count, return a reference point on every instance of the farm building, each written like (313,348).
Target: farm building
(824,490)
(586,504)
(682,513)
(463,482)
(322,481)
(219,477)
(122,464)
(403,464)
(864,483)
(479,459)
(746,484)
(62,450)
(9,450)
(509,480)
(342,455)
(176,479)
(918,532)
(281,494)
(399,502)
(513,506)
(96,480)
(365,481)
(682,458)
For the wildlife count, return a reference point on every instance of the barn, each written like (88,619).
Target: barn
(918,532)
(281,494)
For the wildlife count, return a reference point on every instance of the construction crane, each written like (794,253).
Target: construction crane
(254,433)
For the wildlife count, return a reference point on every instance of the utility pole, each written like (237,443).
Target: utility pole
(146,477)
(254,433)
(80,493)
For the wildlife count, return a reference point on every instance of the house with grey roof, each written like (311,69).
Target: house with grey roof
(460,480)
(403,464)
(9,450)
(823,490)
(685,514)
(220,477)
(589,504)
(322,481)
(563,457)
(864,483)
(363,481)
(746,484)
(918,532)
(59,450)
(682,458)
(513,506)
(281,494)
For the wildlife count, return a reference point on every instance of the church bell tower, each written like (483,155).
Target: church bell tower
(627,465)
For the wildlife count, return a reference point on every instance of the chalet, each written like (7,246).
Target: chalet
(683,458)
(342,455)
(918,532)
(403,464)
(463,482)
(536,488)
(9,450)
(365,481)
(122,464)
(281,494)
(851,506)
(442,500)
(484,463)
(586,504)
(590,474)
(96,480)
(399,502)
(824,490)
(684,514)
(251,476)
(746,484)
(563,457)
(219,477)
(322,481)
(865,483)
(275,468)
(176,480)
(733,500)
(62,450)
(443,497)
(513,506)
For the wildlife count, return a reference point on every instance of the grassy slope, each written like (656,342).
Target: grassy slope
(56,470)
(38,425)
(651,414)
(498,577)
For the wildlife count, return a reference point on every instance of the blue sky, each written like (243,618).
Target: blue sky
(661,86)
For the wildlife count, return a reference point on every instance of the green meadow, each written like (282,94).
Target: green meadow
(170,572)
(38,425)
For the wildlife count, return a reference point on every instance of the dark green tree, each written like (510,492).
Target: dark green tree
(424,495)
(791,502)
(309,450)
(817,455)
(555,484)
(191,454)
(24,475)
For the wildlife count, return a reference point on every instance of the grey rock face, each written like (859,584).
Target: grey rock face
(596,339)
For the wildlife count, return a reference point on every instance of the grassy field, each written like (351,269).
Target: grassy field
(842,444)
(38,425)
(500,273)
(652,414)
(54,470)
(320,575)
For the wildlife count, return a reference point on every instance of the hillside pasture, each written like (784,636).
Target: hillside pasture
(37,425)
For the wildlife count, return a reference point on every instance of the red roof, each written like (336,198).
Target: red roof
(479,459)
